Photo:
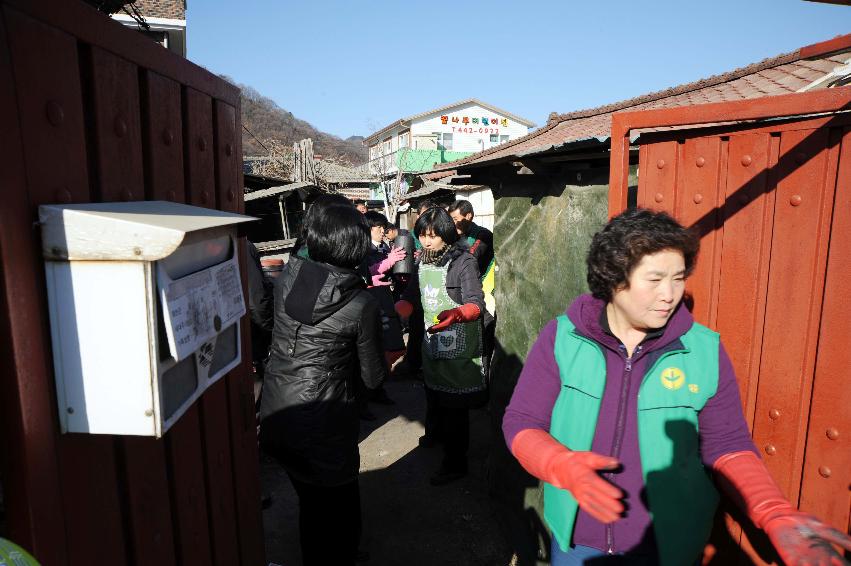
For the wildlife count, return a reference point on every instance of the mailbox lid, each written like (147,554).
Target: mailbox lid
(124,231)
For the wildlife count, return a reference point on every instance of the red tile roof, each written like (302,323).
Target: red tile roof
(783,74)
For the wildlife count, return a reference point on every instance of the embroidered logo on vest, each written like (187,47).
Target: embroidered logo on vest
(672,378)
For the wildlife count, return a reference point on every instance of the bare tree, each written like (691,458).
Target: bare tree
(278,161)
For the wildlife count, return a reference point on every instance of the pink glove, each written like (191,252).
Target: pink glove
(578,472)
(798,538)
(395,255)
(378,281)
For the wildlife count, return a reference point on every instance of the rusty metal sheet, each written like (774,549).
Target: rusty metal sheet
(28,424)
(53,122)
(799,244)
(117,139)
(657,176)
(815,102)
(201,191)
(219,474)
(240,381)
(184,446)
(777,181)
(827,460)
(162,133)
(698,202)
(747,218)
(79,20)
(199,150)
(118,148)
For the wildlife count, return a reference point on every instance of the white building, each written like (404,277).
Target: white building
(444,134)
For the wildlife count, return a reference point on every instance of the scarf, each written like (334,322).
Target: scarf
(433,256)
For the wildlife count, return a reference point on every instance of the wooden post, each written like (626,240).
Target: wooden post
(283,209)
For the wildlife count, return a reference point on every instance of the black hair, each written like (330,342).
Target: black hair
(374,219)
(358,202)
(425,205)
(619,247)
(318,207)
(339,236)
(436,220)
(464,207)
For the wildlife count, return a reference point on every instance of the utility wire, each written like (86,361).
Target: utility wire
(256,138)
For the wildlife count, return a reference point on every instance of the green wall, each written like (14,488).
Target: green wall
(421,160)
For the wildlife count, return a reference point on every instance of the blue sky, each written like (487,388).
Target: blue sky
(350,67)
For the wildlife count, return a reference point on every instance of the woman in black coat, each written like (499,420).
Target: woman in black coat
(327,335)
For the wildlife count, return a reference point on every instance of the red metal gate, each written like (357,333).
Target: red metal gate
(772,202)
(91,111)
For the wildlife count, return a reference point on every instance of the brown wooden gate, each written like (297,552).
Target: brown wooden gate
(771,199)
(92,111)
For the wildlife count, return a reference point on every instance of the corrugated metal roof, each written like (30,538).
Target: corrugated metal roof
(283,190)
(431,187)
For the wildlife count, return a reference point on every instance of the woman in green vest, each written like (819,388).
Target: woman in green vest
(448,287)
(626,408)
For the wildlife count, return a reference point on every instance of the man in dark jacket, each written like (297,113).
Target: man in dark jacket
(479,239)
(327,336)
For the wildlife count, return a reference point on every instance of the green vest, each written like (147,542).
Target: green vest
(452,358)
(472,237)
(680,495)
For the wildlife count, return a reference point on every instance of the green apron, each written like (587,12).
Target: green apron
(452,359)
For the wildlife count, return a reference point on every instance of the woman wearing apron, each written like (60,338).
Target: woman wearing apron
(448,287)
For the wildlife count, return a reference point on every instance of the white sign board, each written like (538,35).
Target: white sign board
(197,307)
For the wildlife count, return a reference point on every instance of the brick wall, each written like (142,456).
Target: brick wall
(175,9)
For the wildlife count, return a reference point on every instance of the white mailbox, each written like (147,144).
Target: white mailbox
(145,300)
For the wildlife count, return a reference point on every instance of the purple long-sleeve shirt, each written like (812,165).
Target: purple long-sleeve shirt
(722,426)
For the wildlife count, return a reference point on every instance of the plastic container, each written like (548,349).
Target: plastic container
(272,267)
(404,266)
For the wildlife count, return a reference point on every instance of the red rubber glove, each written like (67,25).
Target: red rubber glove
(799,538)
(464,313)
(578,472)
(404,309)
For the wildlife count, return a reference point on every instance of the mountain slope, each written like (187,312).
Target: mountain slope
(266,120)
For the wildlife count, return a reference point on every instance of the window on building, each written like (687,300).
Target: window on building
(403,140)
(494,139)
(503,139)
(444,141)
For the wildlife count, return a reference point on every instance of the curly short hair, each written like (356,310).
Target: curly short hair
(619,247)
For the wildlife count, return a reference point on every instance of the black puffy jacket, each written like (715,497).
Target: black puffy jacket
(327,335)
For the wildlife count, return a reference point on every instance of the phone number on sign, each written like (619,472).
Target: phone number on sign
(475,131)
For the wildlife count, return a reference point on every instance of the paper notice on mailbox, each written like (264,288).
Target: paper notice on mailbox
(199,306)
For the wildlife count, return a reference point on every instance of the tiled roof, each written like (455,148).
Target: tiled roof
(784,74)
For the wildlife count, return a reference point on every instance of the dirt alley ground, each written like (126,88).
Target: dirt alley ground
(406,521)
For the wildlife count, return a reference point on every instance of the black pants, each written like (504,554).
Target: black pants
(416,330)
(452,426)
(329,520)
